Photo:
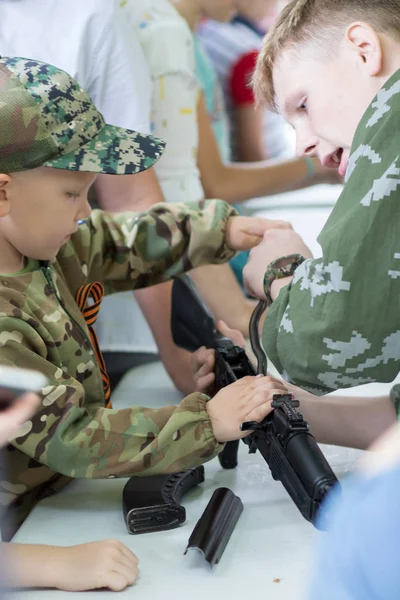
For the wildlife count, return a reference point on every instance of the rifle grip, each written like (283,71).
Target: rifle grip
(228,458)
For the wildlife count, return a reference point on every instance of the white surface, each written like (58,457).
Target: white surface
(271,540)
(311,197)
(307,210)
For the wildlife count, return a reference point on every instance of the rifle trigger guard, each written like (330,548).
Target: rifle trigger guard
(251,426)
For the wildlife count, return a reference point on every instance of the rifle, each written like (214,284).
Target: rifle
(283,437)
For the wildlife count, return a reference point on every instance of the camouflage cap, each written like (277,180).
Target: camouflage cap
(46,119)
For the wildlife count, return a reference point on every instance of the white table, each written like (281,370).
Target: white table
(310,197)
(307,210)
(269,550)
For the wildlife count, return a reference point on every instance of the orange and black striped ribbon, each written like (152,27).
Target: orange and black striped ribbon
(90,312)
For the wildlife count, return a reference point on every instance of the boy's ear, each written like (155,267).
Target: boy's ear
(5,181)
(365,42)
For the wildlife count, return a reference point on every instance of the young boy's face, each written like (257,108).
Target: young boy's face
(324,100)
(41,208)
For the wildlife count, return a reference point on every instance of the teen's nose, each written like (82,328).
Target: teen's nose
(306,144)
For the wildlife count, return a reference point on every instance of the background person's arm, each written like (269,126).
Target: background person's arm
(249,125)
(223,296)
(236,182)
(249,128)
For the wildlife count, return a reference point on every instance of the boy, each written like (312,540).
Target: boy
(53,142)
(331,68)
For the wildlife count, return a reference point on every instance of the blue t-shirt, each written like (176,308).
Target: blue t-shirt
(358,557)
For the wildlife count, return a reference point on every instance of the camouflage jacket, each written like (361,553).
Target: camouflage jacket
(338,324)
(41,327)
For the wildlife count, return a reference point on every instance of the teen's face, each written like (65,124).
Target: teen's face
(219,10)
(43,209)
(324,100)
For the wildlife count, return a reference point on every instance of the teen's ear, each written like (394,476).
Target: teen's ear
(367,46)
(5,181)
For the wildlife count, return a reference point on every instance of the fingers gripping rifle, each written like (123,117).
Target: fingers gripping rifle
(284,437)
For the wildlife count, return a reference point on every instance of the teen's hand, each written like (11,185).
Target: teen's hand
(12,418)
(248,399)
(106,564)
(203,360)
(275,244)
(243,233)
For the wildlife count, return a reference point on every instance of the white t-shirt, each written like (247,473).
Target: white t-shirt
(90,40)
(168,46)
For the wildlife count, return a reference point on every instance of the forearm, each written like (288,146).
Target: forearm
(250,133)
(238,182)
(30,565)
(133,251)
(132,441)
(179,367)
(224,297)
(155,303)
(349,421)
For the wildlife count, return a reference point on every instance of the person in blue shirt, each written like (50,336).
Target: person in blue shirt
(357,559)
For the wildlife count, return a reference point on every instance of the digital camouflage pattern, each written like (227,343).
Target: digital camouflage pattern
(51,121)
(41,327)
(338,324)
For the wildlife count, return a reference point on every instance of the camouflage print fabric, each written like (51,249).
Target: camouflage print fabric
(52,122)
(41,328)
(338,324)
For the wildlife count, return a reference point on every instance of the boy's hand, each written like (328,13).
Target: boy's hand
(12,418)
(275,243)
(243,233)
(248,399)
(105,564)
(203,360)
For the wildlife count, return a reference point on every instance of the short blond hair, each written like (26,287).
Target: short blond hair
(319,21)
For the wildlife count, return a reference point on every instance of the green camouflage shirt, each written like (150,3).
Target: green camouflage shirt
(41,327)
(338,324)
